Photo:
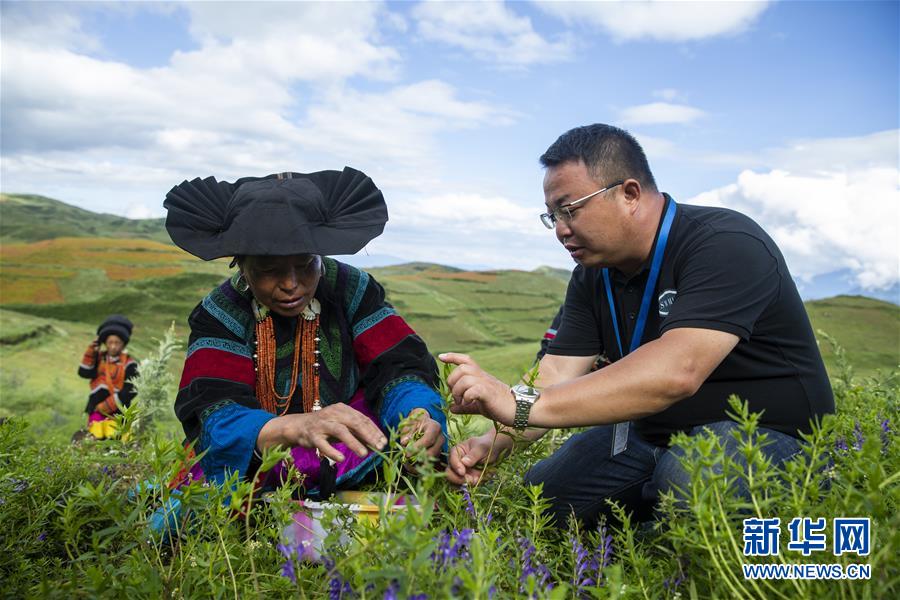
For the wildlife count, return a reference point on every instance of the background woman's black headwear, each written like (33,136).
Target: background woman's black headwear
(118,325)
(326,212)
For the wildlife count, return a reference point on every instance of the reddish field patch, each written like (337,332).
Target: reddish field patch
(27,290)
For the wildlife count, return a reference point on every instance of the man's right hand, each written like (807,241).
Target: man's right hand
(338,422)
(469,459)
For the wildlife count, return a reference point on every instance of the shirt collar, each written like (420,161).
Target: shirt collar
(620,277)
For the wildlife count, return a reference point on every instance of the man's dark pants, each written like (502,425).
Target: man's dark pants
(581,475)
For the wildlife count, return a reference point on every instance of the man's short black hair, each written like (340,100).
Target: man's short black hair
(605,150)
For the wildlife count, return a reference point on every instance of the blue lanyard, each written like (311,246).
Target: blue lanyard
(649,288)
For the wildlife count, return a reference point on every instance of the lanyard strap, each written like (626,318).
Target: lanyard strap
(650,287)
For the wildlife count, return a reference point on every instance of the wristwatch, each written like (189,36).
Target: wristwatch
(525,397)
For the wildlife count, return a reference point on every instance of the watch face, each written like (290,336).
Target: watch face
(526,392)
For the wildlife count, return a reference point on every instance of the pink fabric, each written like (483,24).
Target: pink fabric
(306,461)
(96,416)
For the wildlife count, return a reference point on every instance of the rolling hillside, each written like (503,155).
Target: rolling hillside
(29,218)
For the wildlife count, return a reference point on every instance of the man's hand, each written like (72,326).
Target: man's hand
(419,430)
(317,429)
(469,459)
(476,392)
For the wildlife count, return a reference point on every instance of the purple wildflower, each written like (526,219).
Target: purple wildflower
(287,569)
(530,568)
(885,434)
(42,536)
(605,548)
(492,591)
(456,588)
(671,583)
(858,435)
(48,470)
(841,445)
(338,589)
(589,565)
(452,547)
(470,506)
(391,592)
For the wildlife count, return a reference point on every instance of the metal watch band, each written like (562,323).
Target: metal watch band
(523,409)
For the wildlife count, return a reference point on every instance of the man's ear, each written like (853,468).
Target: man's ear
(633,191)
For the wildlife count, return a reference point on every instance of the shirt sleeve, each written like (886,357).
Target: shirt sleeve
(578,333)
(726,282)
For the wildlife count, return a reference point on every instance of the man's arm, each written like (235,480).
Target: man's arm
(647,381)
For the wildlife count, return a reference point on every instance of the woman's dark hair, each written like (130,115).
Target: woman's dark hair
(606,151)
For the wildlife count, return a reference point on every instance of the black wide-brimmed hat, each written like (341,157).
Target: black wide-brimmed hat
(327,212)
(118,325)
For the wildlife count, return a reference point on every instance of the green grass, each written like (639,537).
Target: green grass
(869,331)
(30,218)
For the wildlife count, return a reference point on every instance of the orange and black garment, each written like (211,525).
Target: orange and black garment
(110,380)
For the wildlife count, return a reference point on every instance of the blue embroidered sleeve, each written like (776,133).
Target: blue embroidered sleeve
(401,399)
(229,438)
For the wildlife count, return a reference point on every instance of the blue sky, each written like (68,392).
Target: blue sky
(787,111)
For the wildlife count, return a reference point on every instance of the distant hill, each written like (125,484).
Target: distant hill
(28,218)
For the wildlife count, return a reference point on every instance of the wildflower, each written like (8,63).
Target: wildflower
(841,445)
(391,592)
(48,470)
(287,569)
(470,506)
(452,547)
(20,485)
(589,566)
(42,536)
(885,433)
(857,433)
(338,589)
(539,571)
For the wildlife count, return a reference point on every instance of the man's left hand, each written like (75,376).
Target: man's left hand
(475,391)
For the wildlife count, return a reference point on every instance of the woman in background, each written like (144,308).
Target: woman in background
(111,371)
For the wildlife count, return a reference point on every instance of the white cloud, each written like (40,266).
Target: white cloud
(830,205)
(656,113)
(138,211)
(659,20)
(667,94)
(268,90)
(469,229)
(490,31)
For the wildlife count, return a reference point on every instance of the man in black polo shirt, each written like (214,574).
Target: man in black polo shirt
(690,304)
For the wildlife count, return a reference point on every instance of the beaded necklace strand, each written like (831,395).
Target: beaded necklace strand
(306,350)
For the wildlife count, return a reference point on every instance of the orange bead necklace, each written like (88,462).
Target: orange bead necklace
(306,351)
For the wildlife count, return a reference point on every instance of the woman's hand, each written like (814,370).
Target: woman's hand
(317,429)
(470,458)
(419,430)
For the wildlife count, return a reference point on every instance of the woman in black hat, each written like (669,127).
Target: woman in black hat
(111,371)
(296,348)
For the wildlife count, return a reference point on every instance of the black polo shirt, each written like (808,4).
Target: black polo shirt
(720,271)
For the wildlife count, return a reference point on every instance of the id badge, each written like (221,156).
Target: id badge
(620,438)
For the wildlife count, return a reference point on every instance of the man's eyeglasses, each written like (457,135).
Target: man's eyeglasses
(564,212)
